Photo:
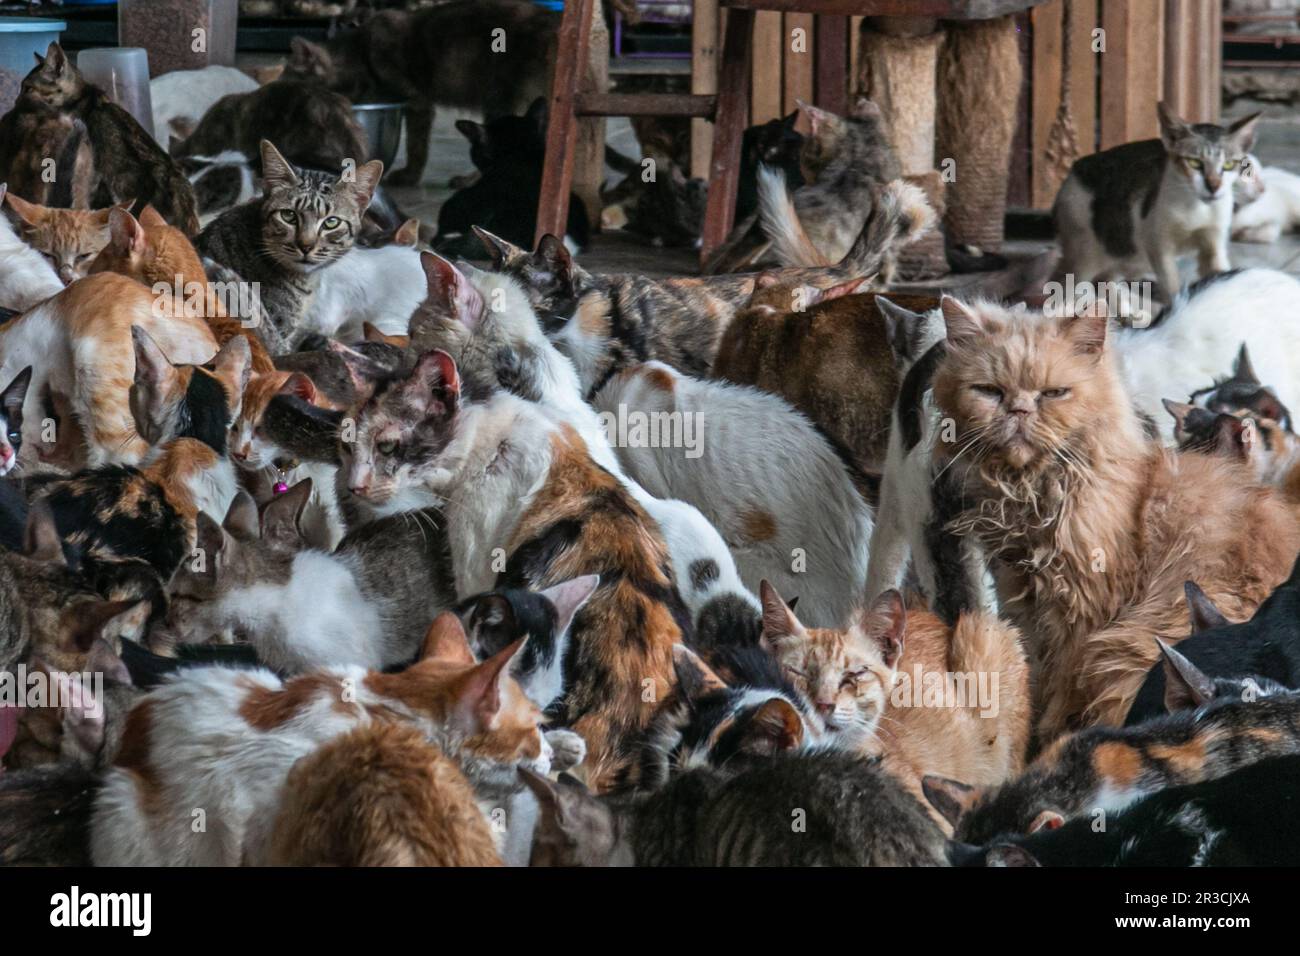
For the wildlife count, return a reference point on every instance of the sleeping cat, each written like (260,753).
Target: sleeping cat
(28,277)
(69,239)
(1138,207)
(225,740)
(304,222)
(1059,484)
(854,814)
(367,604)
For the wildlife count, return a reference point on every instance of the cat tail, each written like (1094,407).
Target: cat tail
(73,171)
(780,221)
(900,215)
(45,815)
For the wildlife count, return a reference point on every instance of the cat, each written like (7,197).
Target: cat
(220,181)
(1242,392)
(511,482)
(226,740)
(181,98)
(1138,207)
(378,795)
(69,239)
(1227,653)
(1271,451)
(380,286)
(1059,481)
(304,222)
(312,127)
(388,59)
(758,471)
(1242,819)
(187,401)
(1105,769)
(1266,202)
(11,420)
(668,211)
(827,353)
(604,323)
(28,278)
(775,144)
(510,152)
(128,164)
(854,814)
(368,603)
(845,161)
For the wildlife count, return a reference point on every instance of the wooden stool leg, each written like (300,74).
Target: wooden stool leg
(832,64)
(728,128)
(561,127)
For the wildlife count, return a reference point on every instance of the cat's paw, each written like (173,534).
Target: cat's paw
(567,749)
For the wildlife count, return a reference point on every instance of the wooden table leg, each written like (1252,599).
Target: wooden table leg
(728,128)
(561,126)
(832,64)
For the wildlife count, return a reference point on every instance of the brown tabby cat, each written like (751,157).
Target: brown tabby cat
(69,238)
(1091,527)
(379,795)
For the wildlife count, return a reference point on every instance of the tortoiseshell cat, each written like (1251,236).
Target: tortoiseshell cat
(68,238)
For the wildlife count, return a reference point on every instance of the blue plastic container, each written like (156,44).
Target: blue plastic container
(20,37)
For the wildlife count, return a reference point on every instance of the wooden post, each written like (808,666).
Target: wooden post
(561,128)
(1131,70)
(704,79)
(1046,89)
(589,151)
(765,101)
(728,128)
(1193,58)
(797,52)
(832,90)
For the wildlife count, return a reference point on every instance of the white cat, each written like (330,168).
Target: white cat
(26,278)
(1267,200)
(382,286)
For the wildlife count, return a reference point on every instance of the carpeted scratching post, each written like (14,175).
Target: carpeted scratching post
(978,96)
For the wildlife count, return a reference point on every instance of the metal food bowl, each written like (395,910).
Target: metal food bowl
(383,125)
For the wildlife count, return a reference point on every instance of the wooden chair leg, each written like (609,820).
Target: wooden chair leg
(728,128)
(832,64)
(561,125)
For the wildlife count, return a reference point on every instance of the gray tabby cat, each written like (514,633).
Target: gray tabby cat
(1138,207)
(304,221)
(820,808)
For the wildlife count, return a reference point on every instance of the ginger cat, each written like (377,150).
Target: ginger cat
(69,239)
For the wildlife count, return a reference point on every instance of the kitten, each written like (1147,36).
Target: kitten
(1242,819)
(379,795)
(1220,656)
(304,222)
(510,151)
(187,401)
(510,481)
(28,277)
(1266,202)
(1105,769)
(1058,482)
(758,471)
(226,740)
(367,604)
(854,813)
(388,59)
(69,239)
(1140,206)
(129,165)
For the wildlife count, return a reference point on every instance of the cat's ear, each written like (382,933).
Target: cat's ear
(126,236)
(151,392)
(435,383)
(949,797)
(1179,411)
(450,289)
(281,520)
(56,61)
(445,641)
(233,365)
(900,326)
(301,385)
(569,597)
(82,712)
(480,694)
(865,108)
(779,622)
(28,212)
(501,251)
(790,119)
(276,170)
(1046,820)
(820,121)
(547,793)
(1242,132)
(1172,128)
(552,255)
(476,133)
(1186,686)
(241,519)
(366,181)
(1242,370)
(12,398)
(1232,436)
(408,234)
(775,727)
(1087,332)
(1008,854)
(304,54)
(960,320)
(1267,405)
(695,679)
(41,538)
(110,621)
(884,623)
(212,544)
(841,289)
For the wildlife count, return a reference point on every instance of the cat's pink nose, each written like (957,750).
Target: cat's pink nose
(825,709)
(360,490)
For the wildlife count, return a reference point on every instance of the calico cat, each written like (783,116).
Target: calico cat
(128,164)
(11,420)
(1271,451)
(1265,647)
(1242,391)
(758,471)
(1105,769)
(28,277)
(1140,206)
(69,239)
(304,222)
(510,152)
(855,814)
(226,740)
(312,127)
(187,401)
(1058,481)
(845,160)
(388,59)
(367,604)
(1246,818)
(511,481)
(379,795)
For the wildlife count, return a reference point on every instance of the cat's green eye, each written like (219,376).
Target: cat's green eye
(387,447)
(1229,164)
(1193,163)
(332,222)
(1055,392)
(289,216)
